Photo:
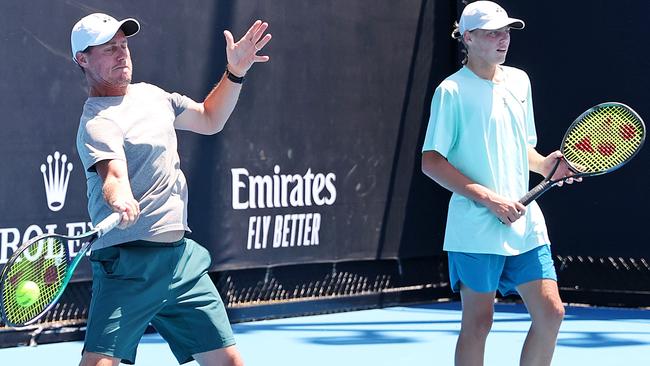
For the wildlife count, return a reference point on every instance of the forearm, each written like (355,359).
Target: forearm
(440,170)
(116,190)
(220,103)
(436,167)
(535,161)
(211,116)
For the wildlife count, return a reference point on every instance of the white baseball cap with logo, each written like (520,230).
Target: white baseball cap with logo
(486,15)
(98,28)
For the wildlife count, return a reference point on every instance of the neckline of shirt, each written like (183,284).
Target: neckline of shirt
(491,82)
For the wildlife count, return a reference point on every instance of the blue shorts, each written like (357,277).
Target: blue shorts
(491,272)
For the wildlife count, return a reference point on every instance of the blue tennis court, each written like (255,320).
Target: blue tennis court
(313,199)
(413,335)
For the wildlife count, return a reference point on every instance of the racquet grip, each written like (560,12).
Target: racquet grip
(108,224)
(537,191)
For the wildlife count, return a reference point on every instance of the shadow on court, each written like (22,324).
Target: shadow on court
(579,329)
(415,336)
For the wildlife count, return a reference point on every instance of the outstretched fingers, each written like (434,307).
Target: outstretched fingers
(250,33)
(241,55)
(259,46)
(260,31)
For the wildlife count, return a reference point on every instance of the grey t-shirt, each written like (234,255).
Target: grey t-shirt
(137,128)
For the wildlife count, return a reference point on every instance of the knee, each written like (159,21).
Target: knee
(479,325)
(96,359)
(552,316)
(557,313)
(228,356)
(234,359)
(236,362)
(227,361)
(484,324)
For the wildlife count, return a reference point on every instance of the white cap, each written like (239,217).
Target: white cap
(486,15)
(98,28)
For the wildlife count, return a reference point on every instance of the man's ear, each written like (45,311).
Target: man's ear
(467,37)
(82,59)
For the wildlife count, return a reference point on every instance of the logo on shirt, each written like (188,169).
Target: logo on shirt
(56,175)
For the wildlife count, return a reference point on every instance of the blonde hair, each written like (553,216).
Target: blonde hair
(455,34)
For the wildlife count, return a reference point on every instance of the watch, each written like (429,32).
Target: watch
(234,78)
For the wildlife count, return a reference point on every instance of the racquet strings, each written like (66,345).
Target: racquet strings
(604,139)
(43,262)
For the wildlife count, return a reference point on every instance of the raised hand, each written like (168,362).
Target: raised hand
(243,54)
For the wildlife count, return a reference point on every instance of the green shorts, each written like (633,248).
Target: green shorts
(167,285)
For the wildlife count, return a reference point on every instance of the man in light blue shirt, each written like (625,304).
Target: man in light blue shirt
(480,144)
(463,119)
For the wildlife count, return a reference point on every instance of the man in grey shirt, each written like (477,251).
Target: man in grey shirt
(146,271)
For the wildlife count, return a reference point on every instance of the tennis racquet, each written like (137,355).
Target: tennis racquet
(37,273)
(599,141)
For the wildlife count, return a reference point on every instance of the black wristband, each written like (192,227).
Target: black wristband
(234,78)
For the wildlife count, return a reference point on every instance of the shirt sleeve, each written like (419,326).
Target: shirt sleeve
(179,102)
(100,139)
(531,133)
(442,129)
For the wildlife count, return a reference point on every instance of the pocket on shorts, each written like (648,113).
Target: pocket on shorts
(198,256)
(105,260)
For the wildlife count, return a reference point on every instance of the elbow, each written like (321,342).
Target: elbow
(428,164)
(213,126)
(431,164)
(427,168)
(212,120)
(216,129)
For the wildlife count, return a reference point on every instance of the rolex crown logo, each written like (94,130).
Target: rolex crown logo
(55,177)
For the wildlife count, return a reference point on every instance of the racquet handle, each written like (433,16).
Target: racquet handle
(108,224)
(537,191)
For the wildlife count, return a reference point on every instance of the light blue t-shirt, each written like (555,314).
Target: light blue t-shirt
(483,129)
